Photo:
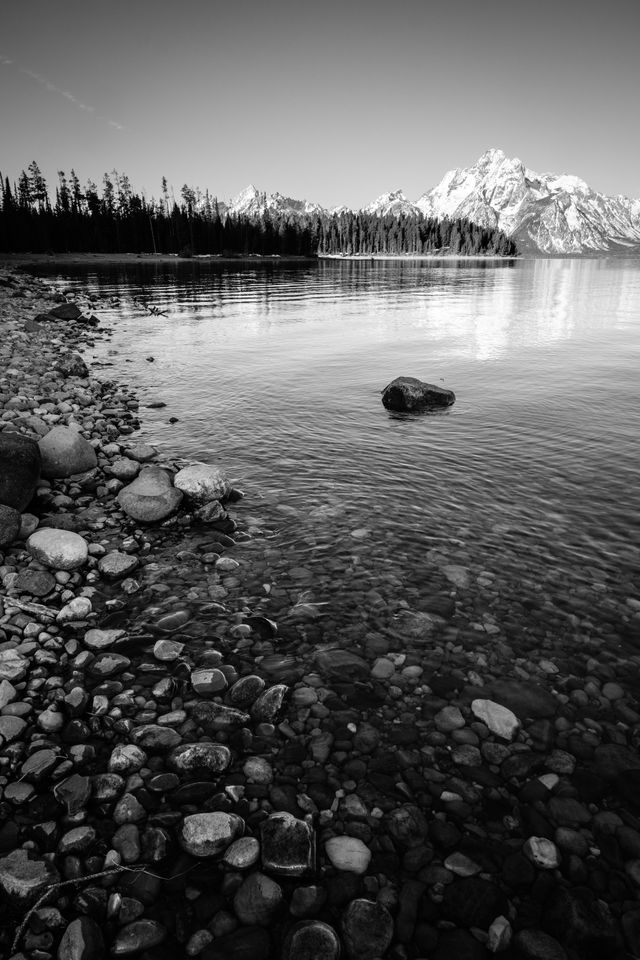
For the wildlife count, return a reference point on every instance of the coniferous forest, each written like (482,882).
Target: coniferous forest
(115,219)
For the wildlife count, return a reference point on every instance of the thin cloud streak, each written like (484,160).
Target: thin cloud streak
(52,88)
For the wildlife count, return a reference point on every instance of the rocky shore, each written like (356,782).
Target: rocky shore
(180,775)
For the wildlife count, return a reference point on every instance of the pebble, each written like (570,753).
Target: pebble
(348,854)
(209,834)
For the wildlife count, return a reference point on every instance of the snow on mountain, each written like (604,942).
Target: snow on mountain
(251,202)
(548,213)
(394,203)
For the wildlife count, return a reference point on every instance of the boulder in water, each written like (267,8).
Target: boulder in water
(19,469)
(202,483)
(408,395)
(151,497)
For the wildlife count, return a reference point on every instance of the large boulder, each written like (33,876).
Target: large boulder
(202,483)
(407,395)
(59,549)
(64,452)
(151,497)
(66,311)
(19,469)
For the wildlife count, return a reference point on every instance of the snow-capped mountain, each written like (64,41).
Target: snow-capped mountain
(251,202)
(394,203)
(545,212)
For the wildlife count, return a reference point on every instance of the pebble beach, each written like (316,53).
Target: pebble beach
(182,774)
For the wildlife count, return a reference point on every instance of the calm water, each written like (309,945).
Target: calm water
(530,482)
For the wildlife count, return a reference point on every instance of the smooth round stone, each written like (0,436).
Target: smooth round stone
(242,854)
(199,759)
(311,940)
(448,719)
(209,834)
(383,669)
(151,497)
(500,720)
(38,583)
(269,704)
(77,840)
(257,900)
(124,469)
(116,565)
(11,728)
(348,854)
(138,936)
(202,483)
(155,738)
(246,691)
(64,453)
(142,452)
(542,853)
(612,691)
(367,929)
(171,622)
(59,549)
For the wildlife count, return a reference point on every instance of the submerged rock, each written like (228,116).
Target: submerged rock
(151,497)
(408,394)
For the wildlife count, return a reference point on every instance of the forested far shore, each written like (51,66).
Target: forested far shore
(118,220)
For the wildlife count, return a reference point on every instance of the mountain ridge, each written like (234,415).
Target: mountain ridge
(553,214)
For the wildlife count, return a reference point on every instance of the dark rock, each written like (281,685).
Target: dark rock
(287,845)
(407,825)
(72,365)
(38,583)
(535,944)
(138,936)
(66,311)
(248,943)
(257,900)
(19,470)
(213,717)
(459,944)
(311,940)
(10,521)
(82,940)
(472,902)
(73,792)
(524,699)
(199,759)
(408,394)
(580,922)
(367,929)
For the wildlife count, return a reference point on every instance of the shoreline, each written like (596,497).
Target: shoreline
(434,790)
(57,259)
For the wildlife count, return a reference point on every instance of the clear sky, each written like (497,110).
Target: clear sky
(335,101)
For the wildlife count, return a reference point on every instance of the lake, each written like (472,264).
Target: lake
(513,514)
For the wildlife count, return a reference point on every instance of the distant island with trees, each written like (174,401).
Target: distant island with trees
(117,220)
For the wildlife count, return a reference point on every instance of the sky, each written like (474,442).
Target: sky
(333,102)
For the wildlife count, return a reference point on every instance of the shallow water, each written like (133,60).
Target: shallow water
(529,483)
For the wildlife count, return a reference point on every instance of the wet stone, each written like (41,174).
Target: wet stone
(524,699)
(59,549)
(24,879)
(116,565)
(500,720)
(199,759)
(367,929)
(535,944)
(82,940)
(209,834)
(138,936)
(37,583)
(242,854)
(287,845)
(348,854)
(257,900)
(109,665)
(98,640)
(74,792)
(214,717)
(155,739)
(311,940)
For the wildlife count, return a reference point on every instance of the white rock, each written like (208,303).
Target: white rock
(8,693)
(13,666)
(102,639)
(542,852)
(58,549)
(500,934)
(498,719)
(167,649)
(77,609)
(242,853)
(202,483)
(348,853)
(209,834)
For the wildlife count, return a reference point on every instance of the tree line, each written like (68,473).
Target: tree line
(116,219)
